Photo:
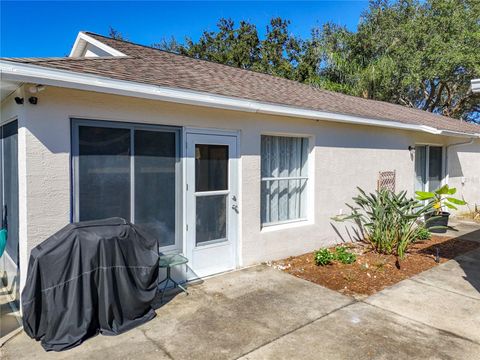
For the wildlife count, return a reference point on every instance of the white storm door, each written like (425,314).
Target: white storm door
(211,202)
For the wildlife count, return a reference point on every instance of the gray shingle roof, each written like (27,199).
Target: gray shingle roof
(155,67)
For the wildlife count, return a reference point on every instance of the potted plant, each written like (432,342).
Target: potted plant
(437,220)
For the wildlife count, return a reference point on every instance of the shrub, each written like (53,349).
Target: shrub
(323,257)
(387,221)
(345,257)
(423,233)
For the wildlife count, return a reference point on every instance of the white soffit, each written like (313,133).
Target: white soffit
(7,87)
(11,71)
(83,40)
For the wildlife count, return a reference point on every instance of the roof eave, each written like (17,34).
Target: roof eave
(62,78)
(459,134)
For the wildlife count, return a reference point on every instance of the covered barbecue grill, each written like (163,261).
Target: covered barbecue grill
(89,277)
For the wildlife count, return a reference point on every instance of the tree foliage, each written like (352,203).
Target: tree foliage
(416,54)
(420,54)
(277,54)
(115,34)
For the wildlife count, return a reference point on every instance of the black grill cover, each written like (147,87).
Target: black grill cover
(90,277)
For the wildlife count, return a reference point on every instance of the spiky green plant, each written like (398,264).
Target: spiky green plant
(387,221)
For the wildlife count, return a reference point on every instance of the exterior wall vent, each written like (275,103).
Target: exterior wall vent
(386,180)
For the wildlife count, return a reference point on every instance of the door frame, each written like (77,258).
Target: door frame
(17,264)
(235,164)
(76,122)
(427,165)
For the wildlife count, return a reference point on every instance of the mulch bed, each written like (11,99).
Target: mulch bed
(373,272)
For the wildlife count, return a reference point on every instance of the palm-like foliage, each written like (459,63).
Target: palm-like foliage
(388,221)
(441,198)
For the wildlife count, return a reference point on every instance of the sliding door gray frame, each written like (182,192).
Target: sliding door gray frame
(76,123)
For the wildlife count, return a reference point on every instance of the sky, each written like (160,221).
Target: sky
(37,28)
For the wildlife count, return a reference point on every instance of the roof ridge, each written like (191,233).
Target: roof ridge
(32,58)
(212,62)
(66,58)
(163,68)
(310,86)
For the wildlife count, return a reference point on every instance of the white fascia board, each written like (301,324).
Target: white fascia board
(476,85)
(81,41)
(78,46)
(459,134)
(328,116)
(69,79)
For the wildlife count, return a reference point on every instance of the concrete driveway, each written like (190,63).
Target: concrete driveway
(263,313)
(435,315)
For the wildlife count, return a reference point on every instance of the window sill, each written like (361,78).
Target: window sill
(285,225)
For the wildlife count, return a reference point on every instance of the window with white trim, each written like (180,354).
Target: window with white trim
(428,167)
(284,162)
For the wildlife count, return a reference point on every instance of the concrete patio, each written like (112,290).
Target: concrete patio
(263,313)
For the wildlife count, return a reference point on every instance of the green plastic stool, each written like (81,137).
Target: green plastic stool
(167,262)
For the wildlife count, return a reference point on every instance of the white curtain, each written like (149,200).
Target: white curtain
(435,167)
(284,178)
(420,168)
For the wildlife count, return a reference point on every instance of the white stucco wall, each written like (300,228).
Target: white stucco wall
(343,157)
(464,171)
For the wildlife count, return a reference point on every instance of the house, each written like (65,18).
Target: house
(228,166)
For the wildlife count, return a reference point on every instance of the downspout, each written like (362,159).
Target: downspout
(447,172)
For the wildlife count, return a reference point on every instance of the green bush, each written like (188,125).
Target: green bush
(345,257)
(423,233)
(387,221)
(323,257)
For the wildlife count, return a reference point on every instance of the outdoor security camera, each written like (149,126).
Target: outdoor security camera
(33,100)
(19,100)
(36,89)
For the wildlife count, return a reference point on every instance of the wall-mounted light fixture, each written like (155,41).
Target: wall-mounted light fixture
(19,100)
(33,100)
(411,150)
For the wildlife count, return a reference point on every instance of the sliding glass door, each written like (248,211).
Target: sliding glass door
(129,171)
(428,167)
(9,204)
(103,173)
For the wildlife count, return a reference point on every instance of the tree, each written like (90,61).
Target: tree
(171,45)
(240,46)
(418,54)
(280,51)
(232,46)
(115,34)
(415,53)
